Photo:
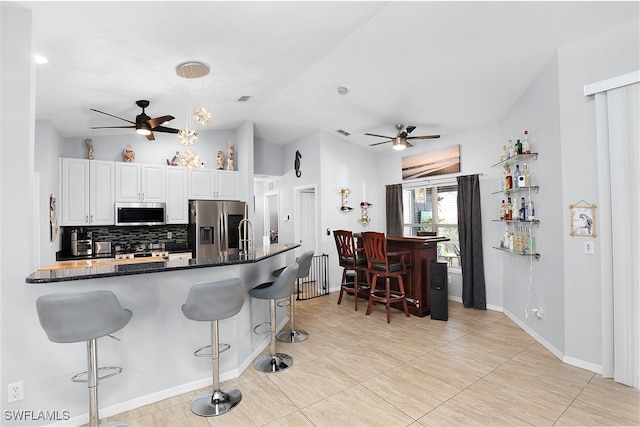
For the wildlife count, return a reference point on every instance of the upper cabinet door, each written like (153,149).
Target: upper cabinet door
(101,194)
(128,188)
(201,184)
(227,185)
(139,183)
(177,195)
(74,192)
(87,192)
(153,183)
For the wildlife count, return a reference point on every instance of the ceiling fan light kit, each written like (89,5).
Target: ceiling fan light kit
(400,141)
(144,125)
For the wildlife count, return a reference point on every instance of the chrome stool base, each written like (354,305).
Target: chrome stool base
(273,362)
(213,403)
(292,336)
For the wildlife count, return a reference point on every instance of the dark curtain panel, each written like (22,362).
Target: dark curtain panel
(470,229)
(394,210)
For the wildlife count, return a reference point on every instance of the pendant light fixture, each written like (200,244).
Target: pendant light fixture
(188,137)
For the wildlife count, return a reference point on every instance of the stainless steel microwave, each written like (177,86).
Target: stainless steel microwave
(140,213)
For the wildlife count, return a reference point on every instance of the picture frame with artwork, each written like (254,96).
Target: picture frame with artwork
(583,220)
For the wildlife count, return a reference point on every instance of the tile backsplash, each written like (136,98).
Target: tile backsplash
(174,237)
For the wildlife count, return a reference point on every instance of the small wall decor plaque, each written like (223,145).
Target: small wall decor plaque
(583,219)
(296,164)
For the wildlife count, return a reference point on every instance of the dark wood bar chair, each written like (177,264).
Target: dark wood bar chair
(351,259)
(381,263)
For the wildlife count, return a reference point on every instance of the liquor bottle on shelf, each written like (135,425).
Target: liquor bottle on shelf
(508,179)
(502,210)
(526,145)
(516,177)
(503,156)
(518,146)
(523,210)
(507,210)
(503,181)
(525,178)
(531,211)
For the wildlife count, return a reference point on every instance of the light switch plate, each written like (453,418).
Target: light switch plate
(588,247)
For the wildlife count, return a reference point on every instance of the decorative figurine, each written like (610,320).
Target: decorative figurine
(53,222)
(89,145)
(174,159)
(220,160)
(230,164)
(128,154)
(296,164)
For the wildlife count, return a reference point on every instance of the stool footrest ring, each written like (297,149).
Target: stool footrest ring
(115,370)
(260,325)
(221,349)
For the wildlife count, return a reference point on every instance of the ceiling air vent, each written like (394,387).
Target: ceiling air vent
(244,98)
(343,132)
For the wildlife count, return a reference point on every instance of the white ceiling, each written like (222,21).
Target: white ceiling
(441,66)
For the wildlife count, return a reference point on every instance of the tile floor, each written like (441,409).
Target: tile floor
(478,368)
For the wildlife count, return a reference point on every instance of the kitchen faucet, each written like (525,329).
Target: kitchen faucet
(247,242)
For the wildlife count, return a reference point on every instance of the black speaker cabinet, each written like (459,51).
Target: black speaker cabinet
(439,291)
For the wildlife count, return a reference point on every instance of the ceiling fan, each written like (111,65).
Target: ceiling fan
(144,125)
(400,141)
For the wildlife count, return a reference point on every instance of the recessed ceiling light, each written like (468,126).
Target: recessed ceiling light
(40,59)
(343,90)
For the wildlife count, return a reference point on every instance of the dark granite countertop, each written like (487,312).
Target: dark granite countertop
(123,269)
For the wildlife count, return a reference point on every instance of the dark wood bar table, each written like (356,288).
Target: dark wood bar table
(417,282)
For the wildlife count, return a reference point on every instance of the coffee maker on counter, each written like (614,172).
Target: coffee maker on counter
(80,242)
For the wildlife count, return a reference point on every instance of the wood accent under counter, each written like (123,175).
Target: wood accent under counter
(417,282)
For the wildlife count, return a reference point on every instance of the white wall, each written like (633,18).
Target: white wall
(600,57)
(528,283)
(17,240)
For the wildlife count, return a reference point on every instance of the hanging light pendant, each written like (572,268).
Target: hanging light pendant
(187,136)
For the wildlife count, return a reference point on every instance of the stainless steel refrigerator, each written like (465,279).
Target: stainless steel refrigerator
(213,227)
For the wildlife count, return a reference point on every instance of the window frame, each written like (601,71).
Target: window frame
(447,251)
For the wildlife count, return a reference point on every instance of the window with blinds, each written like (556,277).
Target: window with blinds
(434,208)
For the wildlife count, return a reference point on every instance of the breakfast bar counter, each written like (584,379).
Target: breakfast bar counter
(156,348)
(62,271)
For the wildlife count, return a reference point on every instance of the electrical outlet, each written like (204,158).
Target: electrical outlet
(15,392)
(169,235)
(588,247)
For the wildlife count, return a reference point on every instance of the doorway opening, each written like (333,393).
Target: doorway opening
(305,215)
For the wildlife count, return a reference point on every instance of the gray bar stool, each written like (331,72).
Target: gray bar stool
(211,302)
(85,316)
(281,288)
(292,334)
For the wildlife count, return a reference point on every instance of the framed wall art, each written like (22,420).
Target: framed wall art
(583,220)
(434,162)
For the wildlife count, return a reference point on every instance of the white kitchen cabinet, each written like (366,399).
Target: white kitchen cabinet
(177,200)
(212,184)
(87,192)
(137,182)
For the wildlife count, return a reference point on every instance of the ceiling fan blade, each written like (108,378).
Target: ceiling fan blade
(113,127)
(165,129)
(150,137)
(424,137)
(154,123)
(378,143)
(408,144)
(381,136)
(107,114)
(410,129)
